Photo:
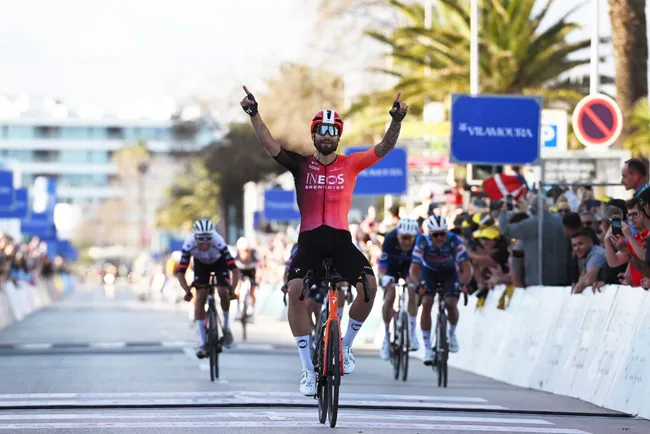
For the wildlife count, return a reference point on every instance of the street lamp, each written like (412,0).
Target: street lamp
(143,167)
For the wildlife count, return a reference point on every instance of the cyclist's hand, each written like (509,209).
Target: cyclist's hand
(188,296)
(421,288)
(248,103)
(387,280)
(399,109)
(284,288)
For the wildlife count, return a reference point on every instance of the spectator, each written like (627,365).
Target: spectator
(572,197)
(554,253)
(590,221)
(490,258)
(635,244)
(591,259)
(611,275)
(572,223)
(517,269)
(634,175)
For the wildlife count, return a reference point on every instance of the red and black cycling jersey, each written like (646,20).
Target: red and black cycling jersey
(324,193)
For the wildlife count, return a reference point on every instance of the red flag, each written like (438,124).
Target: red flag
(498,186)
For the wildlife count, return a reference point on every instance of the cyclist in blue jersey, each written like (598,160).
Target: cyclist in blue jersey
(395,260)
(435,257)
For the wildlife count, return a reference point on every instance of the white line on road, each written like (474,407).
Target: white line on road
(240,400)
(248,414)
(289,424)
(35,346)
(107,345)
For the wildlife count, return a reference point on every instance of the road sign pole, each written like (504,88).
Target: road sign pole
(541,201)
(594,80)
(473,49)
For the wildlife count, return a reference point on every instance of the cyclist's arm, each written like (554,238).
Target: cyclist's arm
(465,272)
(389,141)
(180,270)
(263,134)
(414,272)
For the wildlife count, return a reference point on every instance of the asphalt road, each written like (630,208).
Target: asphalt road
(92,364)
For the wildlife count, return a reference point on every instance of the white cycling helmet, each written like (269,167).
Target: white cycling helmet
(203,226)
(436,223)
(407,226)
(243,244)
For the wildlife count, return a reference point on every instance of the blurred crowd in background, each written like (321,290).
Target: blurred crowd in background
(581,248)
(27,261)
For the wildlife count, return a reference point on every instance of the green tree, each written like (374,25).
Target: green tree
(236,160)
(639,140)
(193,196)
(518,55)
(630,43)
(128,160)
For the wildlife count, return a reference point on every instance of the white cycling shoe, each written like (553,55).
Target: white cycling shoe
(453,343)
(384,353)
(428,356)
(348,360)
(414,344)
(308,383)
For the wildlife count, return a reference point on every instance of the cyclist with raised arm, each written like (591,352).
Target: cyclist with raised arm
(435,258)
(211,254)
(395,260)
(324,185)
(247,261)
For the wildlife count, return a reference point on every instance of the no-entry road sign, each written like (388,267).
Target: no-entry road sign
(597,121)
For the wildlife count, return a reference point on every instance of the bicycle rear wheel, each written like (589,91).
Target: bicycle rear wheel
(334,372)
(404,349)
(395,349)
(213,344)
(441,352)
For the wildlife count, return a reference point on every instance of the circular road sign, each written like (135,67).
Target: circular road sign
(597,121)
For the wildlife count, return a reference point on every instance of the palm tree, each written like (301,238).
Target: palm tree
(638,141)
(630,45)
(517,55)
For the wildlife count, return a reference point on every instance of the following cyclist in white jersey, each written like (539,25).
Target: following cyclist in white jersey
(395,262)
(210,253)
(247,261)
(436,255)
(324,184)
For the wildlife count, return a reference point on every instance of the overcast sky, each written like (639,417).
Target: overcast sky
(114,53)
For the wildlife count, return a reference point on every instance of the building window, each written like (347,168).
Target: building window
(45,156)
(115,132)
(48,132)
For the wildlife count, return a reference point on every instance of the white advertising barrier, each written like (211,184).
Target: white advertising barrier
(560,343)
(592,329)
(16,301)
(6,316)
(619,330)
(41,296)
(632,379)
(26,291)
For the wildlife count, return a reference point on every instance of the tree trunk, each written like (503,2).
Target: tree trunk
(630,45)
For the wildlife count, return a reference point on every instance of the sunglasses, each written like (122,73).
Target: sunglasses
(438,234)
(633,214)
(408,238)
(324,129)
(203,238)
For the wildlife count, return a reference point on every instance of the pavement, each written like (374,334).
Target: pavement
(92,363)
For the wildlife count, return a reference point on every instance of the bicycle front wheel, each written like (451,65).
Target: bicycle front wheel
(334,371)
(213,345)
(244,319)
(321,380)
(441,352)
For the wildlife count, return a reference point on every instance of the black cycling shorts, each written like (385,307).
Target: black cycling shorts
(324,241)
(219,267)
(250,273)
